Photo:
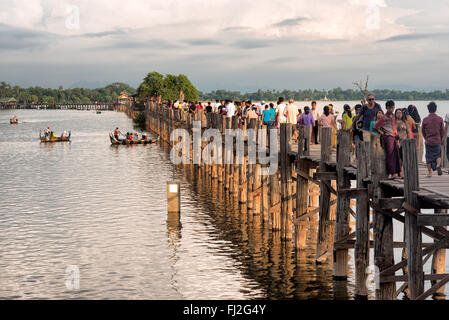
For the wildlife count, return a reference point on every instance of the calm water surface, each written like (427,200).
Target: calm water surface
(103,209)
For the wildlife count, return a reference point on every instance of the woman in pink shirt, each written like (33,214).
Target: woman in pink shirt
(327,120)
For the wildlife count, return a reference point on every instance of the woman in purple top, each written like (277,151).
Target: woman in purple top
(433,133)
(306,119)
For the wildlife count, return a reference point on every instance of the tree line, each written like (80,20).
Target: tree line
(171,87)
(61,95)
(337,94)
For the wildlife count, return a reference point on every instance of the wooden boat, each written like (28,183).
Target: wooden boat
(13,121)
(125,141)
(55,139)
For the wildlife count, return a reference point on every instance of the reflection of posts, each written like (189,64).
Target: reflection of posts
(173,197)
(174,227)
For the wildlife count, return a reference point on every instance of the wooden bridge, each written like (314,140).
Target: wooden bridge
(67,106)
(319,183)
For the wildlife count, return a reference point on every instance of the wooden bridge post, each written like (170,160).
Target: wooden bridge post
(242,177)
(342,228)
(382,224)
(251,167)
(325,226)
(286,182)
(413,231)
(274,187)
(228,157)
(235,165)
(302,188)
(444,159)
(439,264)
(362,230)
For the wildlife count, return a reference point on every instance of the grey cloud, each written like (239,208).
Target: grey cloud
(12,38)
(282,60)
(235,29)
(127,44)
(104,33)
(289,22)
(415,36)
(252,43)
(202,42)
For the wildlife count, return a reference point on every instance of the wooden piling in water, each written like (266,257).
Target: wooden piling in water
(286,181)
(362,229)
(439,262)
(325,227)
(342,227)
(302,189)
(382,224)
(413,232)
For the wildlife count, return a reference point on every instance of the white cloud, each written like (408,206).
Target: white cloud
(21,13)
(326,19)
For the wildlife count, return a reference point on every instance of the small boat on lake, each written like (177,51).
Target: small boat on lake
(98,112)
(14,120)
(114,141)
(62,138)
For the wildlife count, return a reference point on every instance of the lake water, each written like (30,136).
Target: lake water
(102,209)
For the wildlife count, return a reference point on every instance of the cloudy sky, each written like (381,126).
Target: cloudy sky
(227,44)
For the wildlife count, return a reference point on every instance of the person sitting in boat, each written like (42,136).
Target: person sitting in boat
(52,135)
(131,137)
(136,136)
(144,136)
(64,134)
(47,132)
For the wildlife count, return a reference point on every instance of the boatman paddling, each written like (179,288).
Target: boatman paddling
(116,133)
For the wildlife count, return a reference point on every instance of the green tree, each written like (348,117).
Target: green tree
(152,86)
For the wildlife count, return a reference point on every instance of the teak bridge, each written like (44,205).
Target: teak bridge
(65,106)
(319,183)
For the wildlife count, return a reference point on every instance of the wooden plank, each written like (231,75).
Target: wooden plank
(402,278)
(353,193)
(391,203)
(325,176)
(433,220)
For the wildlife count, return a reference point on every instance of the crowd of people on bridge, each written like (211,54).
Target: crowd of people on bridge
(394,125)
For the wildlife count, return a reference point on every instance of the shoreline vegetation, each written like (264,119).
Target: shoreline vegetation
(169,87)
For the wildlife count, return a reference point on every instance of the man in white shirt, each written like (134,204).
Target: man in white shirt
(261,108)
(291,113)
(215,106)
(280,110)
(230,109)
